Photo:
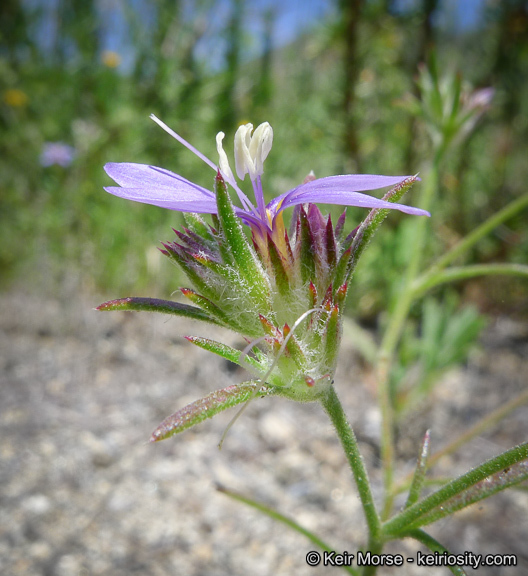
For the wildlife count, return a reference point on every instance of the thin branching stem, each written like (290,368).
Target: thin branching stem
(411,517)
(455,274)
(434,546)
(392,336)
(277,516)
(334,409)
(480,232)
(476,430)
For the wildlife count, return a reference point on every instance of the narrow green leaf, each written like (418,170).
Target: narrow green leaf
(207,407)
(210,308)
(477,429)
(419,473)
(227,352)
(278,517)
(434,546)
(279,267)
(293,347)
(331,247)
(332,337)
(243,255)
(342,269)
(198,225)
(221,270)
(137,304)
(306,249)
(510,476)
(181,259)
(434,506)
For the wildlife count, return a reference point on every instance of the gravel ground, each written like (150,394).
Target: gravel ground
(83,493)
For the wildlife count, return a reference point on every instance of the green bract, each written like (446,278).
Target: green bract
(282,291)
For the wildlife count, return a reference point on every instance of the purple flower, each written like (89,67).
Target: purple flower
(160,187)
(56,153)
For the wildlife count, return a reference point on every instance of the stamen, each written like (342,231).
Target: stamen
(230,179)
(225,169)
(226,172)
(184,142)
(260,146)
(251,151)
(242,156)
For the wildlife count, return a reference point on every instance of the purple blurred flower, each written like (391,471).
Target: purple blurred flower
(481,99)
(160,187)
(57,153)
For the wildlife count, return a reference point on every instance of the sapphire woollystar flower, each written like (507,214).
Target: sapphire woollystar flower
(160,187)
(283,292)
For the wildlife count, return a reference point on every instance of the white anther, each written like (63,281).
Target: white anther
(223,162)
(251,151)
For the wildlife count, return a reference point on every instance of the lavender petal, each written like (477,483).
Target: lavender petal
(152,185)
(130,175)
(344,190)
(166,198)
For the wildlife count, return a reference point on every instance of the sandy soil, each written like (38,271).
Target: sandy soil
(83,493)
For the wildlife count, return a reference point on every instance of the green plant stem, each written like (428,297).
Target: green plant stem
(413,288)
(419,472)
(387,430)
(277,516)
(393,334)
(409,518)
(434,546)
(375,546)
(436,277)
(334,409)
(480,427)
(483,230)
(406,296)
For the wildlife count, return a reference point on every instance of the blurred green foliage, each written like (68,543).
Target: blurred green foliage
(57,223)
(442,340)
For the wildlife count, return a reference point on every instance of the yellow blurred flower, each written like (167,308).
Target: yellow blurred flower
(367,75)
(15,98)
(110,59)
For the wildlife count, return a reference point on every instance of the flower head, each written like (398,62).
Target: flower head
(110,59)
(15,98)
(57,153)
(283,292)
(160,187)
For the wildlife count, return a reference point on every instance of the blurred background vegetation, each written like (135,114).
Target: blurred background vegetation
(332,77)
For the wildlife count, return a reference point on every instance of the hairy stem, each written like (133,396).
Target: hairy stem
(334,409)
